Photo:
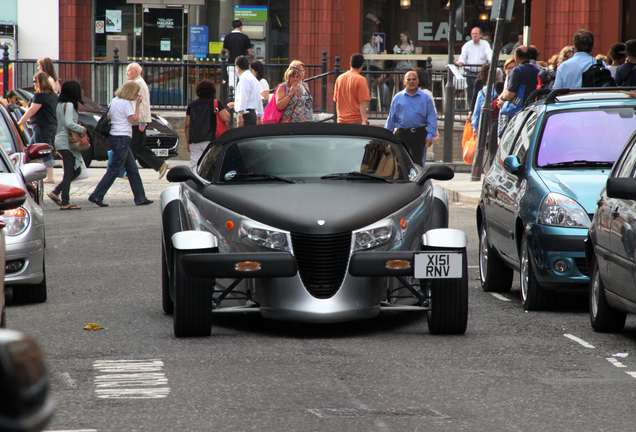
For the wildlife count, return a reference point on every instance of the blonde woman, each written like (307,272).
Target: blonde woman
(122,116)
(295,103)
(43,108)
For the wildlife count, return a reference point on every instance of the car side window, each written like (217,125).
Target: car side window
(508,137)
(207,166)
(626,162)
(520,148)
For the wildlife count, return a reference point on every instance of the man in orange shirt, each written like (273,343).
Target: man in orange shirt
(351,93)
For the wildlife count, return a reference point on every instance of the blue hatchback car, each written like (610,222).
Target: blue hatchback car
(539,195)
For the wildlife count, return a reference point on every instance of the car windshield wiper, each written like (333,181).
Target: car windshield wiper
(579,163)
(260,176)
(354,175)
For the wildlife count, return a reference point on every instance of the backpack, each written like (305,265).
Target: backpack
(597,76)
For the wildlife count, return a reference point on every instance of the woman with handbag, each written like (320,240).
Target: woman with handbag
(205,120)
(122,116)
(296,105)
(43,108)
(67,122)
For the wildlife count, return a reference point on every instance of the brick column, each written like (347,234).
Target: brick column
(76,25)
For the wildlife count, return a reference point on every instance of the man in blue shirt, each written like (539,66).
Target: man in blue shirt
(412,118)
(570,73)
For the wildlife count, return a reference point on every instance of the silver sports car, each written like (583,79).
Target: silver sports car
(314,223)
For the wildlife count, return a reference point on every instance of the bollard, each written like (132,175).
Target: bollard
(336,69)
(323,101)
(115,70)
(5,71)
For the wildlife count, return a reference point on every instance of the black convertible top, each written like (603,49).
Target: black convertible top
(310,128)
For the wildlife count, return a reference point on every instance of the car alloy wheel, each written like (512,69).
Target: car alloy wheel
(494,275)
(532,295)
(603,317)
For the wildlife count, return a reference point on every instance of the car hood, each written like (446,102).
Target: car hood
(342,205)
(583,186)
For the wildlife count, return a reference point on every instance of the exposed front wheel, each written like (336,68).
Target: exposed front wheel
(494,275)
(166,297)
(192,302)
(603,317)
(449,303)
(532,295)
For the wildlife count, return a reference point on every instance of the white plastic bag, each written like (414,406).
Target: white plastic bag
(85,174)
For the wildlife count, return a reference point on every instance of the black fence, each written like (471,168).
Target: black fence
(172,84)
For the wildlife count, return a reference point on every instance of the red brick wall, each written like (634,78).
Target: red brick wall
(76,24)
(564,17)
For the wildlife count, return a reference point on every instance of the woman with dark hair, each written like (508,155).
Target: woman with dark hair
(482,79)
(45,65)
(67,120)
(200,121)
(404,47)
(43,108)
(258,70)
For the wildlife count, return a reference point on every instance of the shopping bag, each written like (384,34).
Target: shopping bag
(469,150)
(272,114)
(84,174)
(512,107)
(468,133)
(221,126)
(120,174)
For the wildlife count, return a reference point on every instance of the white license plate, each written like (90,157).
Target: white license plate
(161,152)
(438,265)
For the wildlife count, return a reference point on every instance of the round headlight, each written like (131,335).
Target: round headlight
(16,220)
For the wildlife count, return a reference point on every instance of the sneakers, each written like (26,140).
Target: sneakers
(163,170)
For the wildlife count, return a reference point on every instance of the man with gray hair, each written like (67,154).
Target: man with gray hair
(138,142)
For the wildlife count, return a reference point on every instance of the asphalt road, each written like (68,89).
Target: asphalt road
(511,371)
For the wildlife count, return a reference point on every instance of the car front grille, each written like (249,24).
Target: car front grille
(161,141)
(581,264)
(322,261)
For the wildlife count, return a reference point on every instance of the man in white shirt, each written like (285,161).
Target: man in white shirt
(138,142)
(247,99)
(474,52)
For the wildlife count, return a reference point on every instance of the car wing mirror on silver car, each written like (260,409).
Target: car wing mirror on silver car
(436,172)
(25,401)
(511,164)
(621,188)
(33,172)
(182,173)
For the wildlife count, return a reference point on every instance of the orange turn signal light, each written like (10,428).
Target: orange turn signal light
(398,264)
(247,266)
(403,223)
(229,225)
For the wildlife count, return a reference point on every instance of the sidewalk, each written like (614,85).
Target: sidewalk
(459,189)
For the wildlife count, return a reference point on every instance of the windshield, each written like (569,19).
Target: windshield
(596,135)
(312,157)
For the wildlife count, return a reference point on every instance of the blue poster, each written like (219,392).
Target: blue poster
(199,40)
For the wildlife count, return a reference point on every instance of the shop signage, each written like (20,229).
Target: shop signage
(165,44)
(199,40)
(426,31)
(167,23)
(250,13)
(113,21)
(99,26)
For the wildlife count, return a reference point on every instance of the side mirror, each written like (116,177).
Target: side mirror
(622,188)
(38,151)
(11,197)
(436,172)
(33,172)
(511,164)
(182,173)
(25,403)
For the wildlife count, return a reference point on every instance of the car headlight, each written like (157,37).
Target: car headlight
(268,238)
(165,122)
(374,235)
(559,210)
(16,220)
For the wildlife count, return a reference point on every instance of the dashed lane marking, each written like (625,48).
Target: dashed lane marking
(579,340)
(615,362)
(130,379)
(500,297)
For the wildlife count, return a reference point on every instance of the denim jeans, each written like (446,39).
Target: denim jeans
(122,158)
(45,136)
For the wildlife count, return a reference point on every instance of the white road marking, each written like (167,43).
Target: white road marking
(130,379)
(579,340)
(73,430)
(632,374)
(499,296)
(473,266)
(623,355)
(615,362)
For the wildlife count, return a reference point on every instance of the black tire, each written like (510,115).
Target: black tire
(166,298)
(31,293)
(494,275)
(192,302)
(449,303)
(604,318)
(3,317)
(533,296)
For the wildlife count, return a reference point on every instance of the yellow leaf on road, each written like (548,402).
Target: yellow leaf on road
(94,327)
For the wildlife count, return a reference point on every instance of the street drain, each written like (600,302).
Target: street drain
(366,413)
